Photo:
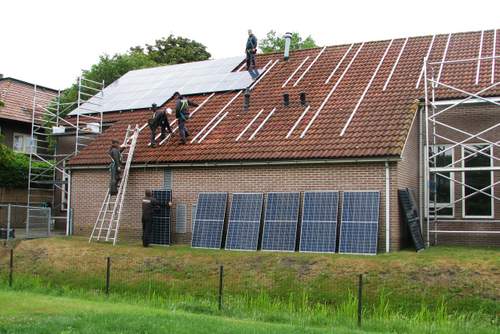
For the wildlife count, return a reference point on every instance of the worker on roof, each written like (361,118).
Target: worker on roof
(115,152)
(181,113)
(159,118)
(251,50)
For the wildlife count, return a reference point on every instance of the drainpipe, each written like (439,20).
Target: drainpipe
(387,209)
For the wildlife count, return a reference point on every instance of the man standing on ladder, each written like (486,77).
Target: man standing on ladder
(182,114)
(251,50)
(115,152)
(159,118)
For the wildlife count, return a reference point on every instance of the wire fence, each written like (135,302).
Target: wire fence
(24,222)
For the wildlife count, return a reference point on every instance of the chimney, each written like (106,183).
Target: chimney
(286,99)
(246,102)
(288,40)
(303,100)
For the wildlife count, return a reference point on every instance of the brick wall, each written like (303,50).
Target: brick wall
(472,119)
(188,182)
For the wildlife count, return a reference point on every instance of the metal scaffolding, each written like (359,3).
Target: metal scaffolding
(443,96)
(47,173)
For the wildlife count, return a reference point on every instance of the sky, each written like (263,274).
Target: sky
(50,42)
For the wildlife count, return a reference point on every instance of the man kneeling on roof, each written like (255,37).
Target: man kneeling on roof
(159,118)
(182,114)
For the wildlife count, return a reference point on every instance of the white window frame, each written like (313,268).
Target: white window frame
(452,203)
(492,178)
(26,142)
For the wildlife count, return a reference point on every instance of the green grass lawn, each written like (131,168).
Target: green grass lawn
(440,290)
(25,312)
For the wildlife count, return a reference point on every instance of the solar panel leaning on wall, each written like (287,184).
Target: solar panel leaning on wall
(160,234)
(359,225)
(209,220)
(244,221)
(280,222)
(318,231)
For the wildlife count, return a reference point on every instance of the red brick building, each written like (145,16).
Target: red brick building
(359,128)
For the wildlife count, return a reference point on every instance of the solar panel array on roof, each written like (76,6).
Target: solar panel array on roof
(280,222)
(209,220)
(244,221)
(160,234)
(319,221)
(139,89)
(359,225)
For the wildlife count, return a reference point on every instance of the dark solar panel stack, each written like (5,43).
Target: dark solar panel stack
(359,226)
(209,221)
(244,221)
(411,217)
(161,218)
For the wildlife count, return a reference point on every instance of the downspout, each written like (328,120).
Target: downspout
(420,170)
(68,207)
(387,209)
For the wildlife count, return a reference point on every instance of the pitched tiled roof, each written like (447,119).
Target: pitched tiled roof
(17,96)
(362,101)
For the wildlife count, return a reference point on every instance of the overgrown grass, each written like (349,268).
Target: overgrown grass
(441,290)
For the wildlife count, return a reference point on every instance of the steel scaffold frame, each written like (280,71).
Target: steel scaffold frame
(434,136)
(48,113)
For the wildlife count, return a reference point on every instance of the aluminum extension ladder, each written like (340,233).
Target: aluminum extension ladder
(108,220)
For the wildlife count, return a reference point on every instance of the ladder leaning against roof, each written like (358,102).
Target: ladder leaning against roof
(109,216)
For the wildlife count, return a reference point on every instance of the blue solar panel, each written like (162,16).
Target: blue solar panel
(319,222)
(244,221)
(280,223)
(209,220)
(359,226)
(160,229)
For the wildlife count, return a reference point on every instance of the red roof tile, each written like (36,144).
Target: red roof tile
(379,120)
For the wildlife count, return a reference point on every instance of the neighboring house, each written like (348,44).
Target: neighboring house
(16,113)
(360,129)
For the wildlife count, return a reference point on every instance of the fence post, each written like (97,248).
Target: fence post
(221,285)
(360,299)
(11,266)
(108,273)
(9,214)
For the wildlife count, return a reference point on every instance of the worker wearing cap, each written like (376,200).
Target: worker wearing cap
(115,152)
(181,113)
(159,118)
(251,50)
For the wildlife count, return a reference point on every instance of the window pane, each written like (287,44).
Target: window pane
(18,143)
(478,204)
(477,159)
(443,159)
(440,188)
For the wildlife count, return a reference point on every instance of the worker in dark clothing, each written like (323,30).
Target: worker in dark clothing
(115,152)
(251,50)
(158,118)
(181,113)
(149,204)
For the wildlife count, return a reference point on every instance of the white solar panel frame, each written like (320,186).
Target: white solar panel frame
(342,221)
(302,219)
(264,223)
(260,222)
(196,218)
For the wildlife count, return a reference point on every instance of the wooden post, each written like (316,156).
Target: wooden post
(360,299)
(11,265)
(221,285)
(108,273)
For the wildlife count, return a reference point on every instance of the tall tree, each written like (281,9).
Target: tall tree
(275,43)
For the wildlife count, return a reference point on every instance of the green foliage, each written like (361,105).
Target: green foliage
(275,43)
(165,51)
(2,104)
(174,50)
(14,168)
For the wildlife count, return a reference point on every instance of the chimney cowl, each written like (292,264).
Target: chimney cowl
(288,41)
